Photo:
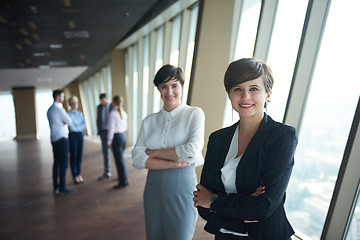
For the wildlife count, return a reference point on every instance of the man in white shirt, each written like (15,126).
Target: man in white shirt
(59,121)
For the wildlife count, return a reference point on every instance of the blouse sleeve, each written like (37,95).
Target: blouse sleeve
(111,126)
(189,151)
(139,156)
(280,160)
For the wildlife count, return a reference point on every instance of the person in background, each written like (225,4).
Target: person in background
(76,139)
(169,145)
(59,121)
(248,165)
(103,110)
(116,139)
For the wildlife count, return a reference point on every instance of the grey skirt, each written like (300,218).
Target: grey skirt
(169,210)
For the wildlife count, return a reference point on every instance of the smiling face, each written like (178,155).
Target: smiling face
(170,92)
(249,98)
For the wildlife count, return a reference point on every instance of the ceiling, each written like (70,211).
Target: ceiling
(47,44)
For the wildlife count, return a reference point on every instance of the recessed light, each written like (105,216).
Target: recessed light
(35,37)
(57,63)
(76,34)
(19,47)
(28,61)
(56,46)
(23,31)
(34,10)
(39,54)
(32,25)
(21,64)
(3,20)
(27,41)
(71,24)
(67,3)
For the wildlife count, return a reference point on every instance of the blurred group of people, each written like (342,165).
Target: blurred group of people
(67,137)
(246,170)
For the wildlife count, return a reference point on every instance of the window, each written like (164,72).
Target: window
(353,233)
(249,20)
(7,116)
(158,64)
(44,100)
(327,119)
(175,41)
(283,50)
(145,79)
(135,87)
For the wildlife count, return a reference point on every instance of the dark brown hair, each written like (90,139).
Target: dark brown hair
(119,100)
(167,73)
(247,69)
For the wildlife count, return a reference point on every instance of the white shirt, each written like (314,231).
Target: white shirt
(116,124)
(228,172)
(59,121)
(182,128)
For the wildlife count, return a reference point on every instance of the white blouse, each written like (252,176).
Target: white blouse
(228,173)
(182,128)
(116,124)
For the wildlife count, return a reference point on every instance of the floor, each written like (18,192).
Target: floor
(29,210)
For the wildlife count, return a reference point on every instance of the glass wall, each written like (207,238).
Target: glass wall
(353,233)
(7,116)
(173,43)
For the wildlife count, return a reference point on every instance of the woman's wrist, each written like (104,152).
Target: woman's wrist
(212,199)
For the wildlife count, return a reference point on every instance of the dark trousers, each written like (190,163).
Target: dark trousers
(76,140)
(60,151)
(118,147)
(105,150)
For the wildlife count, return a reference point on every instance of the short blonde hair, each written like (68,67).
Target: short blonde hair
(73,99)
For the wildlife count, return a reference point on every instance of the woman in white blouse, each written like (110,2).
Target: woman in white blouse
(169,146)
(117,140)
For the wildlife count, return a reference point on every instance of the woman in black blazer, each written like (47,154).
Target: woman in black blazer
(248,165)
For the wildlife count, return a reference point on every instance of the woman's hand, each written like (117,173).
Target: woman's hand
(260,190)
(202,196)
(150,152)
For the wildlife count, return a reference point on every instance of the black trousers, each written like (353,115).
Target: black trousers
(118,147)
(60,151)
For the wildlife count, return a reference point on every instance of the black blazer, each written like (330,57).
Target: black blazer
(267,161)
(99,119)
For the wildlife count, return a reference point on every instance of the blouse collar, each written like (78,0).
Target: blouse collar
(173,112)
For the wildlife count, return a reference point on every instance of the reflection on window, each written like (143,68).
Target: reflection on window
(7,116)
(353,232)
(145,84)
(135,87)
(175,41)
(190,51)
(326,122)
(283,51)
(158,64)
(245,43)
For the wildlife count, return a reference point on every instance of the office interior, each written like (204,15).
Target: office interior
(312,47)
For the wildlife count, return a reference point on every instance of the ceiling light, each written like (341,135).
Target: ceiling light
(76,34)
(35,37)
(34,10)
(82,56)
(57,63)
(27,41)
(39,54)
(23,31)
(48,54)
(19,47)
(3,20)
(21,64)
(56,45)
(67,3)
(71,24)
(45,79)
(44,66)
(28,61)
(32,25)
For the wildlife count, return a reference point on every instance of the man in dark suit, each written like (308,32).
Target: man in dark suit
(103,110)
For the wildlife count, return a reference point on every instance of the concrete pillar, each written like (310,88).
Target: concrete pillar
(214,46)
(118,84)
(25,113)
